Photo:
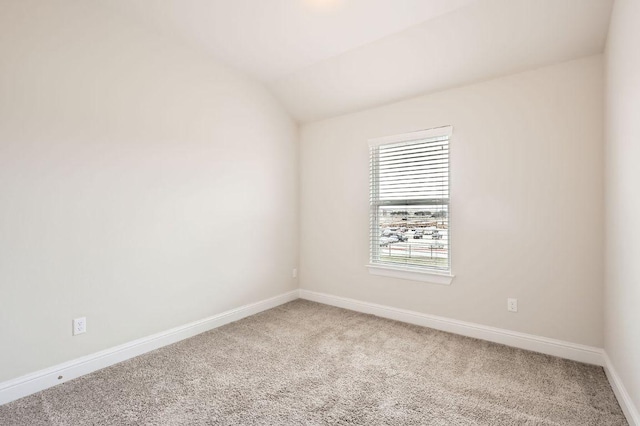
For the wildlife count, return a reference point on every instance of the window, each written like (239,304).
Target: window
(409,197)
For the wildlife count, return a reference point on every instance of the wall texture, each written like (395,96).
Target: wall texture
(526,212)
(622,284)
(141,185)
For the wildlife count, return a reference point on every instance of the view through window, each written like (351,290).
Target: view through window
(410,200)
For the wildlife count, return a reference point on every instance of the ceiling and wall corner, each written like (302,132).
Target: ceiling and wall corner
(326,58)
(272,39)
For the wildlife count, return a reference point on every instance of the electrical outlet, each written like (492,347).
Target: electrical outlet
(294,273)
(79,326)
(512,305)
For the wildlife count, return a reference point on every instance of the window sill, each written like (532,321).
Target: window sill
(413,274)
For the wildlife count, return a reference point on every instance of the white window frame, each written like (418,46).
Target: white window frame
(411,272)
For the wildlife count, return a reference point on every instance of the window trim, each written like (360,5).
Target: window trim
(410,272)
(420,134)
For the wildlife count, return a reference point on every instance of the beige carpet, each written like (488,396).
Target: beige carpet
(309,364)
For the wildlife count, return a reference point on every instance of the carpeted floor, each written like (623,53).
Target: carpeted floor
(309,364)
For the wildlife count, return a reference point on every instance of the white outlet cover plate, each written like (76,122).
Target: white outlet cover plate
(512,305)
(79,326)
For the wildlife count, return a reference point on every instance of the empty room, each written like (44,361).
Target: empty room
(319,212)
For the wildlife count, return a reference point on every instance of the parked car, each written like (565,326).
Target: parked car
(418,234)
(385,241)
(436,235)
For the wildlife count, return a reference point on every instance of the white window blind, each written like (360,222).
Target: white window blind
(409,200)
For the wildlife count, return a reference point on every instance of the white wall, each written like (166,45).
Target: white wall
(622,284)
(141,185)
(526,148)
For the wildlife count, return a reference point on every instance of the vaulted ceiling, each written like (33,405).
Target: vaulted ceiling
(327,57)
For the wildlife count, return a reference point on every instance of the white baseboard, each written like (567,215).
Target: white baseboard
(624,399)
(43,379)
(559,348)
